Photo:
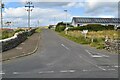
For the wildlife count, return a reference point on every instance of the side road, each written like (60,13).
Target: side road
(26,48)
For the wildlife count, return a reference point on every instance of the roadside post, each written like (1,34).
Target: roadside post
(66,30)
(85,33)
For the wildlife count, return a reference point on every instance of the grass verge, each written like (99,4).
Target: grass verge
(98,43)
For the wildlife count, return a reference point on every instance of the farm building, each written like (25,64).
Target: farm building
(81,21)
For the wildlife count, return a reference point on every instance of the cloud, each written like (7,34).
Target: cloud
(44,15)
(47,10)
(74,4)
(14,12)
(101,7)
(62,0)
(43,0)
(92,6)
(105,16)
(98,8)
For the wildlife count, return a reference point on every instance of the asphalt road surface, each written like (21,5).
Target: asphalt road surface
(58,57)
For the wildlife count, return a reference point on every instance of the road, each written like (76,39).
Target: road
(58,57)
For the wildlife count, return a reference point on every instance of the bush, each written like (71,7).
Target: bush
(94,27)
(61,26)
(19,30)
(97,45)
(100,46)
(7,34)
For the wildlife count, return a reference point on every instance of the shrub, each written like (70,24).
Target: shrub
(61,26)
(94,27)
(100,46)
(18,30)
(7,34)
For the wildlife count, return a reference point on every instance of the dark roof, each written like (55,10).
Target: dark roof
(96,20)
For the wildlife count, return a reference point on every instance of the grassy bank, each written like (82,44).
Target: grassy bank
(38,30)
(6,34)
(93,38)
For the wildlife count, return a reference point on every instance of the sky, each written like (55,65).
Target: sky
(47,12)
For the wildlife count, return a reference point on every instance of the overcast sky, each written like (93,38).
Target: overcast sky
(52,11)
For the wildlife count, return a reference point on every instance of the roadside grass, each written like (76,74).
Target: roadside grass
(6,34)
(93,38)
(38,30)
(78,39)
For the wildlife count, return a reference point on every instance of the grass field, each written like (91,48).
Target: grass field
(93,38)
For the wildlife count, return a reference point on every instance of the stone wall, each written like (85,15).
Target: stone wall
(14,41)
(113,46)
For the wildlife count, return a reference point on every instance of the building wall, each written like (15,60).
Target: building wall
(74,24)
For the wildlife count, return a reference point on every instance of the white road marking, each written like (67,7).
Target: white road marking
(19,48)
(116,66)
(88,52)
(40,72)
(2,73)
(21,72)
(46,72)
(93,64)
(49,72)
(69,71)
(84,70)
(100,68)
(111,69)
(16,73)
(63,71)
(105,56)
(22,43)
(98,55)
(65,47)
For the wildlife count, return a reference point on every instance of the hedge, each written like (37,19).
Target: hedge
(94,27)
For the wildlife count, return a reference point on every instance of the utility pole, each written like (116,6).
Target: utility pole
(66,29)
(66,17)
(38,23)
(2,6)
(30,8)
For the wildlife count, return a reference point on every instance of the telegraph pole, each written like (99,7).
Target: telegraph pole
(38,23)
(30,8)
(66,17)
(54,20)
(2,6)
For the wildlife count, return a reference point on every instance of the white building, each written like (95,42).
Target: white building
(81,21)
